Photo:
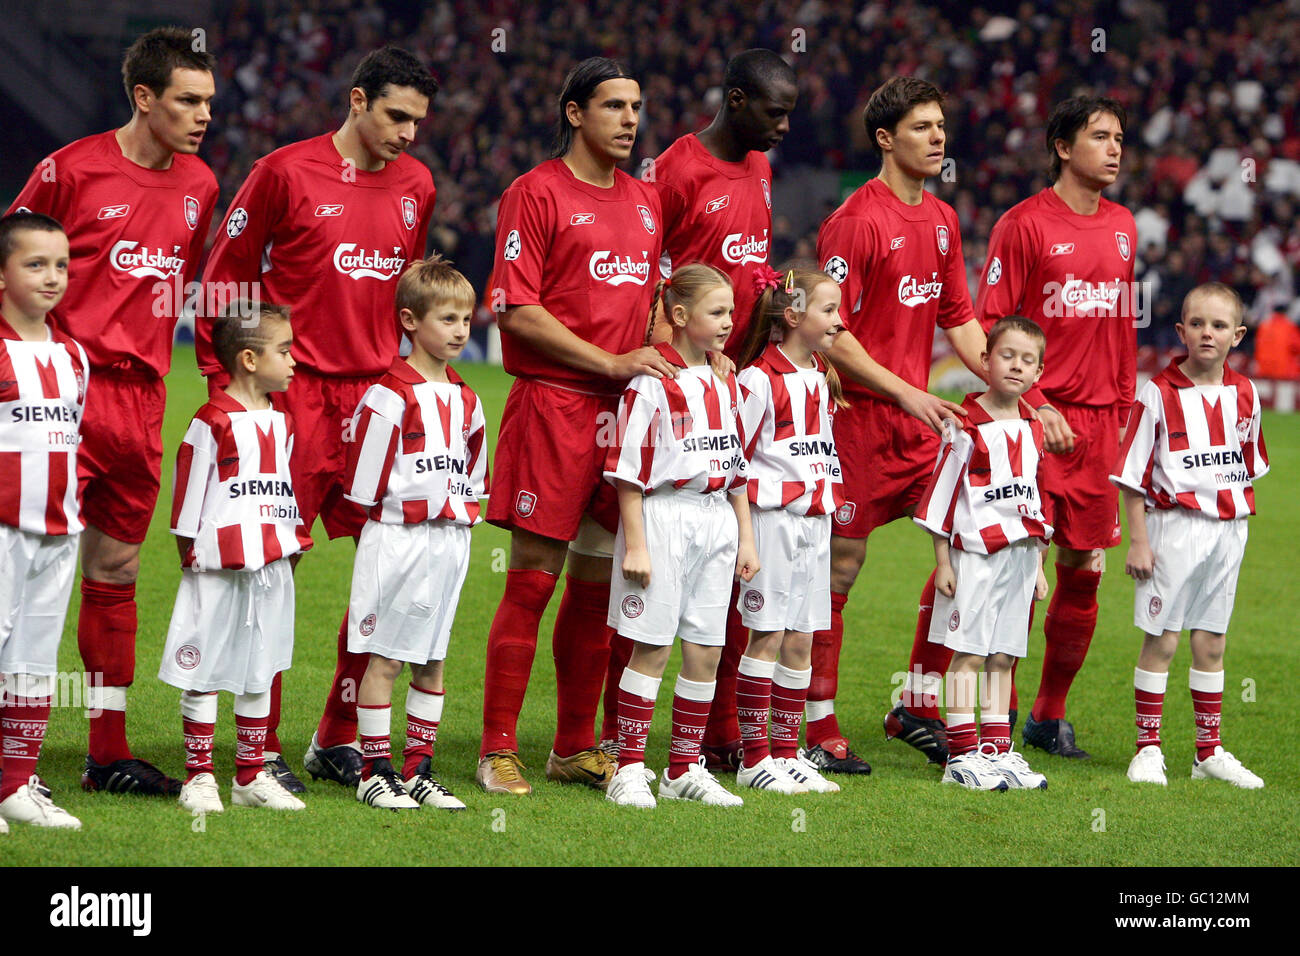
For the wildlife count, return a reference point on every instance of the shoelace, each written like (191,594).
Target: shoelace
(506,767)
(41,797)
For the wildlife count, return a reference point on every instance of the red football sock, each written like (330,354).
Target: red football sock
(580,644)
(620,652)
(1149,695)
(825,672)
(1071,620)
(1207,710)
(691,700)
(250,747)
(962,738)
(512,642)
(23,722)
(636,708)
(723,727)
(789,691)
(374,722)
(996,730)
(106,628)
(198,747)
(753,702)
(273,719)
(423,714)
(927,658)
(1014,703)
(338,724)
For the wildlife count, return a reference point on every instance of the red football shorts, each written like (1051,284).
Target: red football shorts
(887,457)
(322,407)
(120,457)
(550,461)
(1079,501)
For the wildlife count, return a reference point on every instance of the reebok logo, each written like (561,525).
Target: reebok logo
(114,212)
(329,209)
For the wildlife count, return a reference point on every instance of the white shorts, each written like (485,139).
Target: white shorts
(405,586)
(36,573)
(1194,583)
(989,613)
(230,630)
(692,542)
(792,589)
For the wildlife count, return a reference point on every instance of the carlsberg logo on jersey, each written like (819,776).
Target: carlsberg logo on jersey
(1080,297)
(913,291)
(368,265)
(145,262)
(606,266)
(740,249)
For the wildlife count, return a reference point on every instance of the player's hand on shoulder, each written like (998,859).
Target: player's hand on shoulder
(1058,437)
(1141,561)
(722,365)
(931,409)
(636,567)
(642,361)
(945,581)
(746,561)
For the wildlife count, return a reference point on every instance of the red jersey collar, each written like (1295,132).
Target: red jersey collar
(778,361)
(977,415)
(404,372)
(1176,377)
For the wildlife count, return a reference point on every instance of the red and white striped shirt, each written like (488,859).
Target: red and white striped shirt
(679,433)
(42,395)
(232,492)
(417,452)
(983,494)
(786,413)
(1192,446)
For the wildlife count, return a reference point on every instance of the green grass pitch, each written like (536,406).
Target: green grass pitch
(1091,815)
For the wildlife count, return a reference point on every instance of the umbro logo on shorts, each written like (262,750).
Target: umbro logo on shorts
(632,606)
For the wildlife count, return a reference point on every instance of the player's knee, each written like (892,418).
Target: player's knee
(109,560)
(846,563)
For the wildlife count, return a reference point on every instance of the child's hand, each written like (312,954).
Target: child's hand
(746,561)
(1140,561)
(945,581)
(1040,587)
(636,567)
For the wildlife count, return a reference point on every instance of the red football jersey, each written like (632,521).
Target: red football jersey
(330,241)
(901,272)
(587,255)
(1073,275)
(718,213)
(136,237)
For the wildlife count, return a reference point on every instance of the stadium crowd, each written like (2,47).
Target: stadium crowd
(1212,174)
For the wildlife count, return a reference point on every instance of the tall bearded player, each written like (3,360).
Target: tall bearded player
(896,252)
(577,239)
(326,226)
(715,187)
(136,203)
(1064,258)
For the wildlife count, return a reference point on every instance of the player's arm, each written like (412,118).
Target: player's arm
(956,313)
(939,501)
(945,579)
(1040,583)
(546,334)
(969,342)
(855,362)
(476,448)
(636,559)
(746,551)
(235,262)
(373,448)
(1007,271)
(194,464)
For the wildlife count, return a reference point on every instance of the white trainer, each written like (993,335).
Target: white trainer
(1148,766)
(1014,769)
(610,748)
(4,827)
(425,789)
(700,785)
(385,790)
(808,773)
(265,791)
(1221,766)
(31,803)
(202,794)
(973,772)
(630,788)
(767,774)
